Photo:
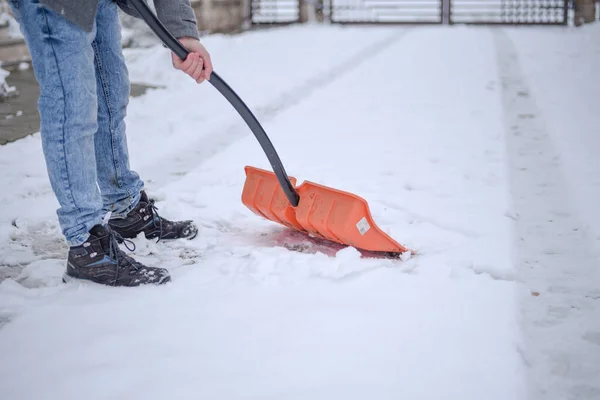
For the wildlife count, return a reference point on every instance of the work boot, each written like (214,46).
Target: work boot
(144,218)
(100,260)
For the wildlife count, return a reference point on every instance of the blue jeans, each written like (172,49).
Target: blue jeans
(84,92)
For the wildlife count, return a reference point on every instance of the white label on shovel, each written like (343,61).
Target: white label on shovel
(363,226)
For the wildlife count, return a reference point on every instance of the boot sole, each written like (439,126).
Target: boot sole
(66,278)
(192,236)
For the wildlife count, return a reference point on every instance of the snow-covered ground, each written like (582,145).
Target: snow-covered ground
(474,146)
(3,85)
(7,18)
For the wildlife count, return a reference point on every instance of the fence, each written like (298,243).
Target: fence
(274,11)
(386,11)
(513,12)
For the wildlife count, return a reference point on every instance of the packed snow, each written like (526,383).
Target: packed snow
(6,18)
(3,74)
(474,146)
(6,90)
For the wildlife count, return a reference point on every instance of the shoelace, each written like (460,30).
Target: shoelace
(113,252)
(153,212)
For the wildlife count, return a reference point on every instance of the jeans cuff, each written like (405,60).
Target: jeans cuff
(81,233)
(121,208)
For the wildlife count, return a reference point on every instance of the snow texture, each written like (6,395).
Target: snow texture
(5,89)
(13,26)
(476,147)
(3,74)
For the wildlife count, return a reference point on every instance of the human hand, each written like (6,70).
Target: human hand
(197,63)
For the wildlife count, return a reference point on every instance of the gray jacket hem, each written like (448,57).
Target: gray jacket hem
(176,15)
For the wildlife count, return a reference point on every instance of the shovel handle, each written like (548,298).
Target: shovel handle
(179,49)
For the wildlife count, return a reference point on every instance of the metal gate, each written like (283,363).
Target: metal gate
(509,12)
(385,11)
(274,11)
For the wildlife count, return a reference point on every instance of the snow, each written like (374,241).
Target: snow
(473,146)
(576,136)
(556,191)
(13,26)
(5,89)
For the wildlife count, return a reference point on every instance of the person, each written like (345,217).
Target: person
(77,59)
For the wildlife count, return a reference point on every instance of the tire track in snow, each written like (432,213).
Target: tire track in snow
(168,170)
(561,323)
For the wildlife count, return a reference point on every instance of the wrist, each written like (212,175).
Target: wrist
(186,38)
(183,39)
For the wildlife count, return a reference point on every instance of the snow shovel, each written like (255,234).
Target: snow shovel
(316,210)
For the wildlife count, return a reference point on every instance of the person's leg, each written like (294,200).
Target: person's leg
(63,62)
(119,185)
(132,212)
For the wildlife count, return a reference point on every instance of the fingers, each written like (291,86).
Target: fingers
(194,58)
(197,73)
(197,65)
(184,65)
(193,66)
(208,68)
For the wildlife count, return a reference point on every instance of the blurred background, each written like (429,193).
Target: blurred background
(235,16)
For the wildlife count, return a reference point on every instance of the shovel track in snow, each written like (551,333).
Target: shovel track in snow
(555,257)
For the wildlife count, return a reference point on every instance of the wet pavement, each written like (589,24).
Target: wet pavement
(19,116)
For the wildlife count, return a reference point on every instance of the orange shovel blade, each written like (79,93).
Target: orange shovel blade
(323,212)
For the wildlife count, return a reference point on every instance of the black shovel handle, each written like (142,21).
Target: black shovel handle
(175,45)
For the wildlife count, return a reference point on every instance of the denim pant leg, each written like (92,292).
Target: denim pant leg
(63,62)
(119,185)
